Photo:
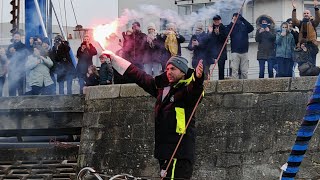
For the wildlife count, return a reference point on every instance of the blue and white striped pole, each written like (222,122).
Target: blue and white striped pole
(308,126)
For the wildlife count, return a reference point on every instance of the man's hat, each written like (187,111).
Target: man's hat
(216,17)
(137,23)
(179,62)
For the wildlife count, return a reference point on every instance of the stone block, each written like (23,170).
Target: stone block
(210,87)
(261,172)
(303,83)
(68,103)
(98,105)
(283,143)
(217,173)
(133,104)
(241,101)
(266,85)
(91,119)
(255,158)
(132,90)
(226,160)
(230,86)
(102,92)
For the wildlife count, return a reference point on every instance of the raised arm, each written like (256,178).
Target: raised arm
(127,69)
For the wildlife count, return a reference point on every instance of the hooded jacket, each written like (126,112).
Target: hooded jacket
(172,111)
(266,39)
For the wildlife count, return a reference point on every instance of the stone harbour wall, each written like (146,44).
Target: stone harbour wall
(245,130)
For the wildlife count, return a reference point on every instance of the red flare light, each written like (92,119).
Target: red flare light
(102,32)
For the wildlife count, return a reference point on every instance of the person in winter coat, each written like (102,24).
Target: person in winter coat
(106,71)
(138,45)
(216,38)
(39,79)
(240,46)
(266,37)
(63,65)
(84,54)
(307,28)
(177,92)
(17,54)
(284,51)
(152,53)
(197,44)
(92,76)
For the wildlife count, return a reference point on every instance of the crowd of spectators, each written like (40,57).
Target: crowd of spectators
(37,68)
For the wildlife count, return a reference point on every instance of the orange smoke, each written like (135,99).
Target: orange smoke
(102,32)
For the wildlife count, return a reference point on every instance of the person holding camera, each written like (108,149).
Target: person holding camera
(198,46)
(217,35)
(307,28)
(63,65)
(266,37)
(38,66)
(284,51)
(84,54)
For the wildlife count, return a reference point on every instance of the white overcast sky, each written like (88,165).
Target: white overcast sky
(88,12)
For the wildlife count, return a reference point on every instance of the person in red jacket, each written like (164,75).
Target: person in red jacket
(177,91)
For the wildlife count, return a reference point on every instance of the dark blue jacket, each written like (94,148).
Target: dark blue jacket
(215,43)
(239,36)
(199,52)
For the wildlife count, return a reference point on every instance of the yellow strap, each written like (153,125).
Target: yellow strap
(187,81)
(181,120)
(173,168)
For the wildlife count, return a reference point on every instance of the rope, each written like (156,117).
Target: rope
(1,28)
(75,17)
(207,82)
(60,15)
(65,16)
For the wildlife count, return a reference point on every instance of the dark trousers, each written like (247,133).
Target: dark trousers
(54,85)
(16,85)
(69,79)
(285,66)
(178,169)
(81,83)
(2,81)
(221,64)
(44,90)
(262,67)
(313,51)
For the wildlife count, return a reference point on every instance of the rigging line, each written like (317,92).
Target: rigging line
(60,13)
(65,16)
(75,17)
(1,23)
(200,97)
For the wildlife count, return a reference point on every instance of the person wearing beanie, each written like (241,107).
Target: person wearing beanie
(152,53)
(177,91)
(217,35)
(197,44)
(307,28)
(239,46)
